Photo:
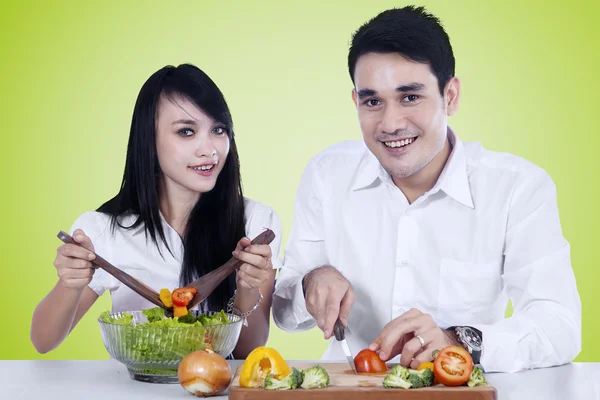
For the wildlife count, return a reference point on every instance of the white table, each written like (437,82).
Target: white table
(109,380)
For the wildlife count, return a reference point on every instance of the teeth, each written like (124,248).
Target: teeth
(399,143)
(203,167)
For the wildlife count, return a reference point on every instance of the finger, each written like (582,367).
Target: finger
(346,305)
(252,271)
(253,259)
(392,333)
(69,274)
(423,356)
(74,251)
(414,345)
(320,301)
(332,311)
(263,250)
(250,281)
(242,244)
(80,237)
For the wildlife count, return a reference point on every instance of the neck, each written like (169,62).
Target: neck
(176,205)
(416,185)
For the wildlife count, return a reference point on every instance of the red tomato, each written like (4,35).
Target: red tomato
(453,366)
(368,361)
(182,296)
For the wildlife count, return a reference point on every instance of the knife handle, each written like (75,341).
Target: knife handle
(339,330)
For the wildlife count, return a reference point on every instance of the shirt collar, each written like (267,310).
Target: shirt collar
(453,180)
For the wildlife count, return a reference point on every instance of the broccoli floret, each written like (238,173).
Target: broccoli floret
(425,375)
(292,381)
(315,377)
(400,371)
(408,378)
(476,378)
(395,381)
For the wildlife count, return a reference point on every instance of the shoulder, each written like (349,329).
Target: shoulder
(256,211)
(94,224)
(502,167)
(339,154)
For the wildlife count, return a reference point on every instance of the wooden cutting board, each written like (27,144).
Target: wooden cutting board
(344,383)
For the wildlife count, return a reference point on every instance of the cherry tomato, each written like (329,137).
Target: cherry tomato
(182,296)
(453,366)
(368,361)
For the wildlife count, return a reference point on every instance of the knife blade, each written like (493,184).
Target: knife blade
(340,335)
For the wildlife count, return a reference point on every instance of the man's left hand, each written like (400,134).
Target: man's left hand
(401,336)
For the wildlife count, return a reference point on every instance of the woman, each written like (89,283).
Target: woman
(179,214)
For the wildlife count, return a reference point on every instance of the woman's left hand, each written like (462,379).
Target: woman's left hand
(257,266)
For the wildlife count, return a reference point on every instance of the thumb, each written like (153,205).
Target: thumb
(346,305)
(80,237)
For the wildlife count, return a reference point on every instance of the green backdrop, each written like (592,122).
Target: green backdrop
(71,71)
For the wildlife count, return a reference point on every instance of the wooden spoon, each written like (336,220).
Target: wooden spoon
(122,276)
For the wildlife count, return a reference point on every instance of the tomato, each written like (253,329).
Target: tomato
(182,296)
(368,361)
(453,366)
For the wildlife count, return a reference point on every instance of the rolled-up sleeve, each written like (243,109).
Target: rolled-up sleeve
(305,250)
(545,328)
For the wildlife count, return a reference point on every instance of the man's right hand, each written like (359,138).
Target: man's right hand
(329,296)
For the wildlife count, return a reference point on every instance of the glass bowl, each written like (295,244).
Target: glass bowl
(153,353)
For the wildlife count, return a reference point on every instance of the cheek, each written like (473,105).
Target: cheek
(222,146)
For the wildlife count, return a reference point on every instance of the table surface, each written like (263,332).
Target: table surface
(108,379)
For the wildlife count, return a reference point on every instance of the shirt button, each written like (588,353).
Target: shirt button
(404,263)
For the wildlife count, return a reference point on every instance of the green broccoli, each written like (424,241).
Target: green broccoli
(476,378)
(425,375)
(408,378)
(314,377)
(395,381)
(292,381)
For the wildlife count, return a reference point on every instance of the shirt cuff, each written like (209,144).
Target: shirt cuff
(289,306)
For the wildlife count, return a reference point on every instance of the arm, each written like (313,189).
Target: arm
(252,279)
(59,312)
(545,328)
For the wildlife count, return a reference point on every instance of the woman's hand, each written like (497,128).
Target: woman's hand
(257,266)
(73,263)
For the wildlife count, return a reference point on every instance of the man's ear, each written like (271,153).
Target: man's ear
(354,97)
(452,96)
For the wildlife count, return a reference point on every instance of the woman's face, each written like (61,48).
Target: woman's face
(191,146)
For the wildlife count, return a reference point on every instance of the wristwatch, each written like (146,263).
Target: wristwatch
(471,339)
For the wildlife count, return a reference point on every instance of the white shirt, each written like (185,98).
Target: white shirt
(129,250)
(488,230)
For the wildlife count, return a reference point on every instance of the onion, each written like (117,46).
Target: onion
(204,373)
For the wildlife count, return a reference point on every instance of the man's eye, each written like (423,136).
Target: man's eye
(372,103)
(412,98)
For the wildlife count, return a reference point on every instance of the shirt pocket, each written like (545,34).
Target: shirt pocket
(467,290)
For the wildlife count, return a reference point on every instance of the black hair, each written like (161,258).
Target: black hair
(411,32)
(216,222)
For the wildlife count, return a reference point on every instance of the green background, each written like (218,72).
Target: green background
(71,71)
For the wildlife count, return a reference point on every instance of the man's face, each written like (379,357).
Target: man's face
(401,112)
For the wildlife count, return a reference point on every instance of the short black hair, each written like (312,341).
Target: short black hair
(411,32)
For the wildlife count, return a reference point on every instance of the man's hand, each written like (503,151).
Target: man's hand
(328,296)
(401,336)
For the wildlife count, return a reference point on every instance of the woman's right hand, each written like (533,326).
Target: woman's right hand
(73,263)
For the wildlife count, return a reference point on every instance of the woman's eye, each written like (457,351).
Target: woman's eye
(185,132)
(219,130)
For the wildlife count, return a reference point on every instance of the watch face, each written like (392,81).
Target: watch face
(472,338)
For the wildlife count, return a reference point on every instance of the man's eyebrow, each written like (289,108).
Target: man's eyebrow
(366,93)
(184,121)
(411,87)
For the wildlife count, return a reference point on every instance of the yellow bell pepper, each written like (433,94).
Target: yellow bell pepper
(165,297)
(259,363)
(180,311)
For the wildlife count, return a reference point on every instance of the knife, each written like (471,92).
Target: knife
(340,336)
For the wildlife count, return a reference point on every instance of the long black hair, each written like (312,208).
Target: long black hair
(216,222)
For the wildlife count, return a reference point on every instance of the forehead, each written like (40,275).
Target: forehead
(379,71)
(180,107)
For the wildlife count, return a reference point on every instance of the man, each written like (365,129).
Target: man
(416,240)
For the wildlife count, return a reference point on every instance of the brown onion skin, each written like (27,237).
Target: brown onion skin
(204,366)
